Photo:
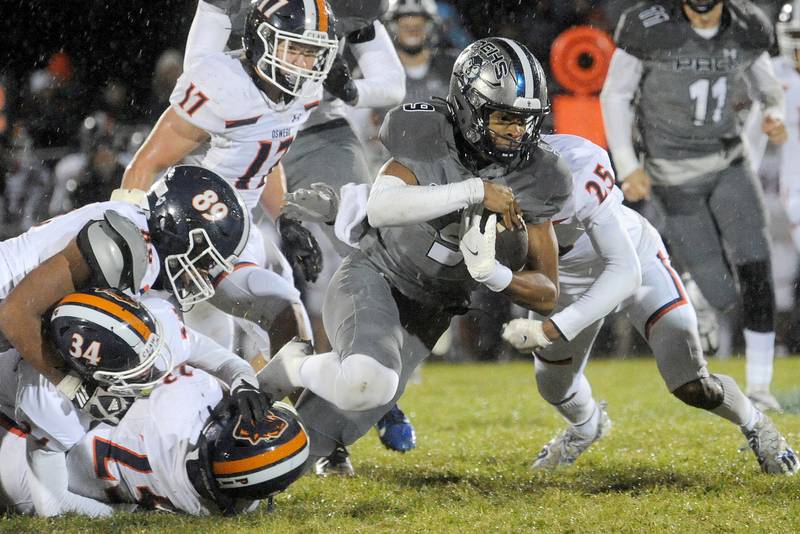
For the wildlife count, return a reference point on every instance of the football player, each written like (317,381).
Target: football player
(125,348)
(612,258)
(168,454)
(193,227)
(249,105)
(681,72)
(389,302)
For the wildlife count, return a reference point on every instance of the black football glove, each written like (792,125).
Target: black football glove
(252,403)
(340,83)
(300,248)
(103,406)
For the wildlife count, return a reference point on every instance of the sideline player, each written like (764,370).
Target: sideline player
(427,249)
(249,105)
(194,226)
(612,258)
(690,63)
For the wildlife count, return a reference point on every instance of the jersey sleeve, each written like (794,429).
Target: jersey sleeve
(596,190)
(196,98)
(414,136)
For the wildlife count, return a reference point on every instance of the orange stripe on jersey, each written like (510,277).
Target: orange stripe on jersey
(322,14)
(11,426)
(264,459)
(112,309)
(671,305)
(313,104)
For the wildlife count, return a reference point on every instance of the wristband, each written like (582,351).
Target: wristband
(499,279)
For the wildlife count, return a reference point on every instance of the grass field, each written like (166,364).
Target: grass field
(663,468)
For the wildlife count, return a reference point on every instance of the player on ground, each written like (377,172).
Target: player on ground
(612,258)
(167,454)
(192,229)
(249,105)
(427,249)
(690,62)
(124,348)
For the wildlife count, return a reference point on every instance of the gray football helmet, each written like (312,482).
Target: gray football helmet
(498,74)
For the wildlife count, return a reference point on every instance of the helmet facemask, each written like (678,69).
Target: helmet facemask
(275,66)
(155,362)
(191,272)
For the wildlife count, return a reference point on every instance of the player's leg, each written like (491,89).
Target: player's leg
(266,304)
(15,493)
(331,153)
(663,315)
(737,205)
(561,382)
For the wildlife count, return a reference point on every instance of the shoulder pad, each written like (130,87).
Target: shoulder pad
(644,27)
(417,130)
(548,162)
(750,25)
(115,250)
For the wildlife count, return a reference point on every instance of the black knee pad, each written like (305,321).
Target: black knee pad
(758,296)
(705,393)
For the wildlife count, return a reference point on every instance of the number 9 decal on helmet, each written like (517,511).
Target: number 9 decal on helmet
(198,225)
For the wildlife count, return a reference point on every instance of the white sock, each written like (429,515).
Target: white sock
(581,410)
(759,352)
(735,407)
(755,417)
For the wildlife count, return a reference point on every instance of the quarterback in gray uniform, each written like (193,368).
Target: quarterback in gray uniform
(428,245)
(692,64)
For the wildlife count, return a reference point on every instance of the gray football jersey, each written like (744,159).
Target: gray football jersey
(423,261)
(435,82)
(692,89)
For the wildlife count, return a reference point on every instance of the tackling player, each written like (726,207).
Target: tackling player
(690,62)
(126,348)
(193,228)
(427,249)
(611,258)
(249,105)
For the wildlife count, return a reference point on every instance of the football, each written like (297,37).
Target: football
(511,245)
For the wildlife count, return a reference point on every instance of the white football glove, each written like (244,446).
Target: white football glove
(318,204)
(525,334)
(478,247)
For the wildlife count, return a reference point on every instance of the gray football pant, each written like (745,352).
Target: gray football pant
(713,222)
(333,156)
(363,315)
(660,312)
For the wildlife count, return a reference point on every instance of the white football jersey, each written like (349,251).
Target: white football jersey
(249,134)
(594,191)
(22,254)
(790,151)
(143,459)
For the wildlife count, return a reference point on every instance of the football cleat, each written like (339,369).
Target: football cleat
(763,400)
(565,448)
(396,431)
(336,464)
(279,378)
(773,453)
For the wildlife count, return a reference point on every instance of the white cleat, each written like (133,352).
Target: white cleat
(773,453)
(763,400)
(565,448)
(280,376)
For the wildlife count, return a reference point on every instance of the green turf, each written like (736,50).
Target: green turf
(663,468)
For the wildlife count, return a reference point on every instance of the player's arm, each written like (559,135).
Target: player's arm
(769,91)
(22,311)
(272,196)
(384,81)
(209,32)
(397,199)
(621,277)
(536,287)
(237,374)
(172,139)
(616,101)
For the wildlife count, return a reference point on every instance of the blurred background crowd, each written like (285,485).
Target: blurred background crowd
(81,84)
